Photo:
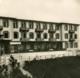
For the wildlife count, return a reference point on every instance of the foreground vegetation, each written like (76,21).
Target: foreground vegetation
(66,67)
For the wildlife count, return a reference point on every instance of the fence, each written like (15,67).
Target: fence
(29,57)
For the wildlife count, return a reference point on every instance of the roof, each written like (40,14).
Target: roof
(69,23)
(37,20)
(7,17)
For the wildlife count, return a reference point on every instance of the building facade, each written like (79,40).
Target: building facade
(20,35)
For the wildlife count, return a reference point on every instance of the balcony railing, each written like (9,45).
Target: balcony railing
(38,30)
(24,29)
(1,27)
(5,39)
(39,39)
(24,39)
(52,30)
(71,31)
(52,39)
(72,39)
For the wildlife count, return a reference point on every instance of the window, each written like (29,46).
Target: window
(66,45)
(66,27)
(38,35)
(75,28)
(57,27)
(71,35)
(23,24)
(54,26)
(38,25)
(5,22)
(45,26)
(71,44)
(76,45)
(51,35)
(15,24)
(15,35)
(24,35)
(31,35)
(70,27)
(51,26)
(75,36)
(6,34)
(57,35)
(45,35)
(31,25)
(66,35)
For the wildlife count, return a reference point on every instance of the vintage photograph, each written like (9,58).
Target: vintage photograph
(39,38)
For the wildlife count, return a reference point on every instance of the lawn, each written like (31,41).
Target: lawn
(65,67)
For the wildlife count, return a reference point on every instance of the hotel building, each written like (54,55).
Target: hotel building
(21,35)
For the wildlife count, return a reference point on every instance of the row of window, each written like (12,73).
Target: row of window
(70,27)
(16,35)
(23,25)
(70,36)
(45,36)
(71,45)
(6,23)
(6,35)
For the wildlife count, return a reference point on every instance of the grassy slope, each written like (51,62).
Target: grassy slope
(66,67)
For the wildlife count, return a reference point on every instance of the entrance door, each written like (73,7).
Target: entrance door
(6,45)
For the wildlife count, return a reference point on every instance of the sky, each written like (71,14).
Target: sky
(44,10)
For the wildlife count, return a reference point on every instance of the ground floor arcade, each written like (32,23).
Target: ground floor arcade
(37,46)
(6,47)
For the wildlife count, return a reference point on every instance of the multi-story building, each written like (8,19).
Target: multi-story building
(20,35)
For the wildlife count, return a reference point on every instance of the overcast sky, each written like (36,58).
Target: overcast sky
(47,10)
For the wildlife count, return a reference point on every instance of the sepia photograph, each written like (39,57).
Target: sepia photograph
(39,38)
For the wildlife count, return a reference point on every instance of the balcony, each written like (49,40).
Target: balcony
(1,27)
(52,39)
(39,39)
(38,30)
(24,39)
(52,30)
(71,31)
(5,39)
(24,29)
(71,39)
